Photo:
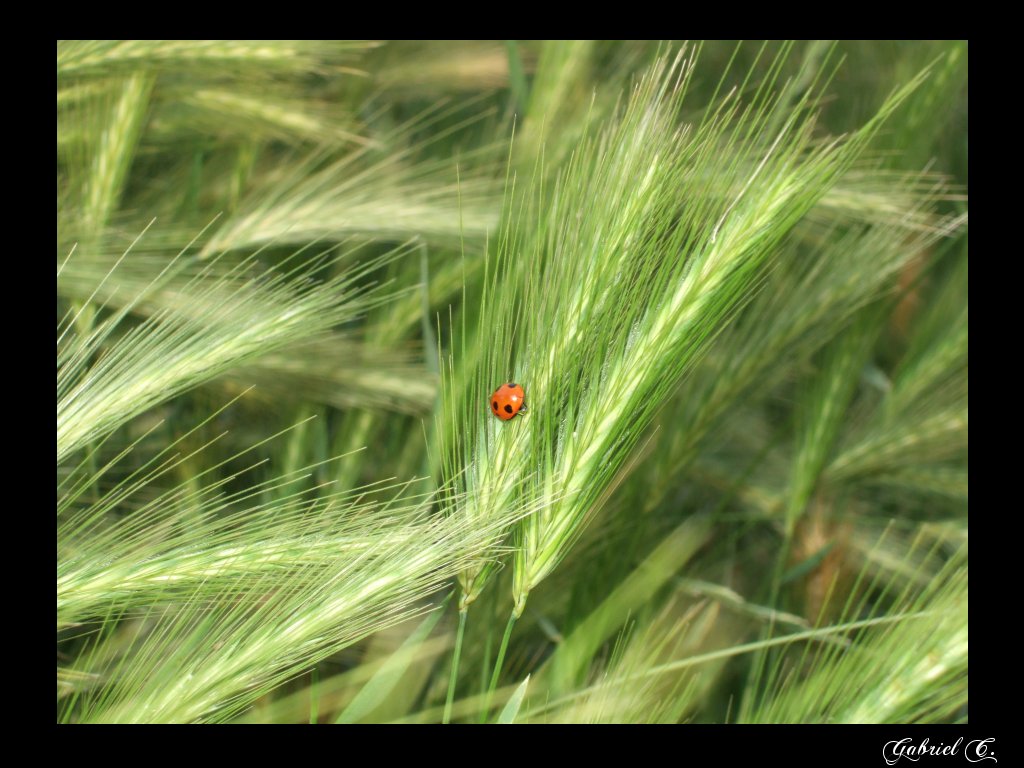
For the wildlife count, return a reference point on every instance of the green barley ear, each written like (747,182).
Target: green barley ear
(185,621)
(908,666)
(388,191)
(918,437)
(625,332)
(232,319)
(652,238)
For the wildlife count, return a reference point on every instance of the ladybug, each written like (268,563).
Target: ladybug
(507,401)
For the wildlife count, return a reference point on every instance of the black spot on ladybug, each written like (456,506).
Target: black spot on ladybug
(494,405)
(508,409)
(510,385)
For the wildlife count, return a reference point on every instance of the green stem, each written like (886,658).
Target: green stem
(455,667)
(314,697)
(760,660)
(497,665)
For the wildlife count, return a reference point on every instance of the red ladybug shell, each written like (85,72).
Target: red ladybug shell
(507,401)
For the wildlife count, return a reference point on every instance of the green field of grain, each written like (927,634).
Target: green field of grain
(295,279)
